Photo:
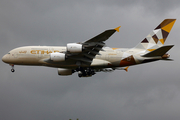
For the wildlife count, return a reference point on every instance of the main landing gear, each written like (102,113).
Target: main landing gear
(85,72)
(12,70)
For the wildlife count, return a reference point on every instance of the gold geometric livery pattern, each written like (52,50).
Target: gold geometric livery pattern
(158,36)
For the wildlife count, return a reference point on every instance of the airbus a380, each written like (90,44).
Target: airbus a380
(92,56)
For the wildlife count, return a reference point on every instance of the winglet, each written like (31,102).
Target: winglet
(126,69)
(117,29)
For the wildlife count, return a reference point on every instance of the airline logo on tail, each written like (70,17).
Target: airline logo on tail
(158,36)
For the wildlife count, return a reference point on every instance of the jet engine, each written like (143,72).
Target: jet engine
(65,72)
(74,47)
(107,70)
(57,57)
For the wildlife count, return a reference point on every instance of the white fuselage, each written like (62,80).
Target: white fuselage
(91,56)
(38,55)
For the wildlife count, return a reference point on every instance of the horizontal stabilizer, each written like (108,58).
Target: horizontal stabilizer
(168,59)
(158,52)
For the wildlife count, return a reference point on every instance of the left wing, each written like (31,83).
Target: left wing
(91,48)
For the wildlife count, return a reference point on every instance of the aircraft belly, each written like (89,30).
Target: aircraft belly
(30,60)
(99,63)
(60,64)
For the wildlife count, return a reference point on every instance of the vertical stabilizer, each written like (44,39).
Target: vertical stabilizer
(157,37)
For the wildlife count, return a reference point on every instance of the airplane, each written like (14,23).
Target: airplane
(92,56)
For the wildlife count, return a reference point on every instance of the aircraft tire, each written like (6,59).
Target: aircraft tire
(79,75)
(12,70)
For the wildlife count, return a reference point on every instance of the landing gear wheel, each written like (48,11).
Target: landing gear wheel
(79,75)
(12,67)
(12,70)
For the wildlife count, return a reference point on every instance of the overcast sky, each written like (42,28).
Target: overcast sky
(149,91)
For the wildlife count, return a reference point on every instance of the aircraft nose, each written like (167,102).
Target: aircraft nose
(4,58)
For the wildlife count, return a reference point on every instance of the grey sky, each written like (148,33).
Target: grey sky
(149,91)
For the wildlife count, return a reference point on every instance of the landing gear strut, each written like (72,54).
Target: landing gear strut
(12,70)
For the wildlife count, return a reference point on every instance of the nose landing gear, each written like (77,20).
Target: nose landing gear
(12,70)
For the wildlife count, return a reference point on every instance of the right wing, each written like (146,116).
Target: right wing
(92,47)
(103,36)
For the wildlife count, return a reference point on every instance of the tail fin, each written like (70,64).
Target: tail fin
(157,37)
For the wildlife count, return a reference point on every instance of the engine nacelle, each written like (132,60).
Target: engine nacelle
(64,71)
(107,70)
(74,47)
(57,57)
